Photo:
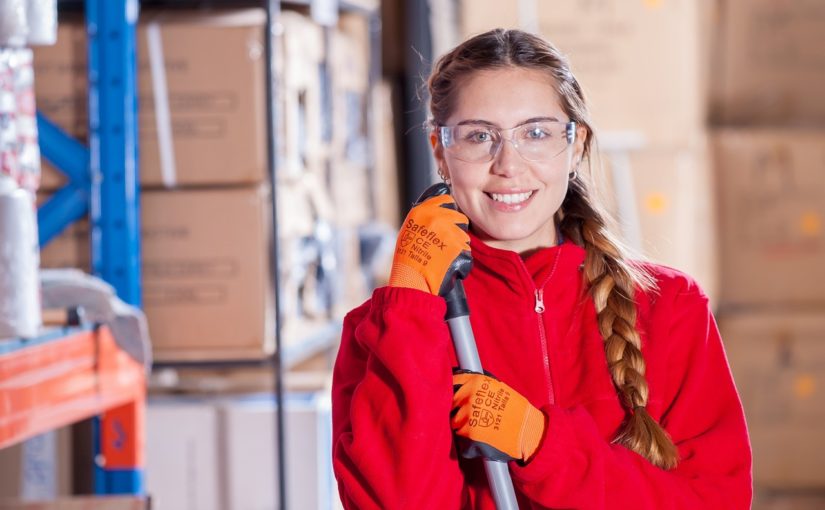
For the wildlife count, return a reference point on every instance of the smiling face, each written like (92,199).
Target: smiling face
(510,201)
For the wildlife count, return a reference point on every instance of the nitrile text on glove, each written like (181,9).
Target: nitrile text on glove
(426,237)
(484,403)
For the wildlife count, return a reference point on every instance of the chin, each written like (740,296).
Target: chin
(502,233)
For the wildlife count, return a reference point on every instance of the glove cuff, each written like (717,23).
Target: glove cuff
(402,275)
(535,423)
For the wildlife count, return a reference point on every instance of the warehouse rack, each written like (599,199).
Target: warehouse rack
(71,374)
(103,183)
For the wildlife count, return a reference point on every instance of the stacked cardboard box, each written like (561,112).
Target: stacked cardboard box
(769,149)
(202,153)
(641,65)
(220,453)
(37,469)
(652,82)
(200,94)
(777,359)
(772,209)
(206,214)
(80,503)
(771,63)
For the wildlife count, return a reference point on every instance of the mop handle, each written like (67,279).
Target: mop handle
(458,319)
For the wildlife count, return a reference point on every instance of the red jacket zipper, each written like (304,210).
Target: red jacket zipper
(539,308)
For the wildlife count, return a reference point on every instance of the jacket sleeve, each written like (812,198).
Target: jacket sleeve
(577,468)
(391,398)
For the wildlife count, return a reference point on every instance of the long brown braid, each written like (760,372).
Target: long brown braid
(612,280)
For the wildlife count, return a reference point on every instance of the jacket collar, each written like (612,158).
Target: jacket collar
(555,267)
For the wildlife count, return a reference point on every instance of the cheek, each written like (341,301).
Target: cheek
(464,182)
(555,177)
(556,183)
(462,193)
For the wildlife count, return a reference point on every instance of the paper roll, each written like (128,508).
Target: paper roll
(13,25)
(19,260)
(41,17)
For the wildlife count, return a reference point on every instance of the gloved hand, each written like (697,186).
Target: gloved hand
(492,420)
(433,248)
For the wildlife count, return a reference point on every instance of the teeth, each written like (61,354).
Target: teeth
(511,198)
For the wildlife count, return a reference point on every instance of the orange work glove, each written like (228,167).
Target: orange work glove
(433,248)
(493,420)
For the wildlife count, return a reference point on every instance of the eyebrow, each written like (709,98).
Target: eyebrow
(488,123)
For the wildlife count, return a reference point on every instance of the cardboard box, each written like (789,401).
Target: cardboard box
(385,185)
(641,64)
(348,172)
(208,453)
(80,503)
(206,267)
(772,63)
(205,71)
(72,248)
(249,447)
(183,467)
(788,500)
(306,96)
(352,280)
(663,199)
(778,363)
(300,203)
(771,201)
(206,284)
(37,469)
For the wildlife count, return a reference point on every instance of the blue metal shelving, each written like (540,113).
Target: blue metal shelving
(103,183)
(103,178)
(113,157)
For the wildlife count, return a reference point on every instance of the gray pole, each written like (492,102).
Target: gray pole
(458,319)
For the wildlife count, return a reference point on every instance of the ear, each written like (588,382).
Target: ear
(581,138)
(435,145)
(438,154)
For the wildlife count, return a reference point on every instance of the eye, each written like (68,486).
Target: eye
(537,133)
(479,136)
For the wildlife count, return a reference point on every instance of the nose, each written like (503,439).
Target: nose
(508,162)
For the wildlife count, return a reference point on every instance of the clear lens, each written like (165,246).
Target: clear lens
(479,143)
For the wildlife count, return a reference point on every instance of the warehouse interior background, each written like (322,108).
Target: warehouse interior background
(236,172)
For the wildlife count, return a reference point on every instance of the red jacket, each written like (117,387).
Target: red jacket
(392,394)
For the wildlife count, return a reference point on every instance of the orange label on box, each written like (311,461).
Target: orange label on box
(656,203)
(811,224)
(804,386)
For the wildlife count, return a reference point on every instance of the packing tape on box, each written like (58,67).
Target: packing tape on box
(163,118)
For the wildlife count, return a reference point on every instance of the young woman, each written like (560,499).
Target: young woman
(608,385)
